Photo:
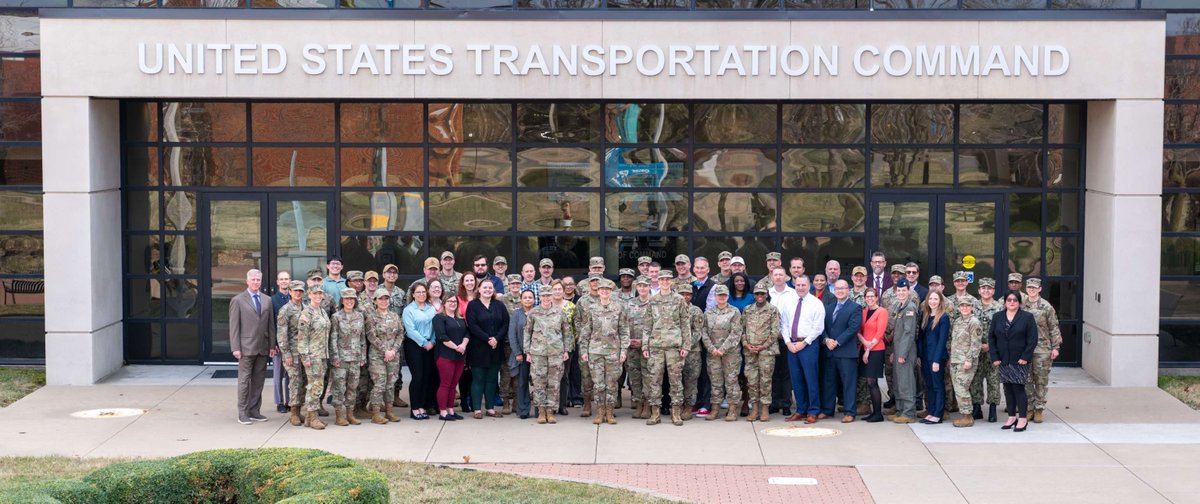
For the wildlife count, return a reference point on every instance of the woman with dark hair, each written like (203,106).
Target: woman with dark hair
(487,323)
(418,351)
(517,364)
(870,340)
(450,330)
(739,285)
(820,284)
(467,291)
(1012,337)
(932,335)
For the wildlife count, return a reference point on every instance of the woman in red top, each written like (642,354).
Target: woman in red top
(870,341)
(818,286)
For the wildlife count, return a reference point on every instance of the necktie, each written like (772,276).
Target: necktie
(836,309)
(796,320)
(878,282)
(257,305)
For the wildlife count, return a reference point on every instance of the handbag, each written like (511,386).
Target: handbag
(1014,373)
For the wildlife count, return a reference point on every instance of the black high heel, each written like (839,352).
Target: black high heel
(1021,429)
(1008,426)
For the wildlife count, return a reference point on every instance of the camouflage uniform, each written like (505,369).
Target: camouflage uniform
(724,334)
(635,364)
(450,283)
(349,353)
(603,337)
(385,333)
(691,365)
(286,326)
(901,334)
(859,297)
(666,328)
(547,337)
(762,329)
(952,301)
(583,308)
(986,370)
(312,344)
(965,340)
(1049,338)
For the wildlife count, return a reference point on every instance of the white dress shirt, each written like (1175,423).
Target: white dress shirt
(812,318)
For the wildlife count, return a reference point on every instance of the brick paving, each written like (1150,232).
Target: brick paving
(708,483)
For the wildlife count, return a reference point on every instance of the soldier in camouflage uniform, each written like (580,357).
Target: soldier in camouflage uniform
(890,293)
(625,291)
(450,281)
(355,282)
(666,337)
(385,334)
(723,272)
(512,293)
(960,292)
(1049,340)
(547,338)
(348,352)
(965,335)
(885,302)
(723,339)
(693,365)
(312,344)
(588,298)
(901,335)
(603,338)
(396,302)
(760,340)
(316,278)
(989,307)
(508,387)
(286,327)
(635,365)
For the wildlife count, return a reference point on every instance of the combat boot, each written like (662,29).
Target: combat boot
(376,416)
(398,402)
(340,416)
(643,411)
(312,420)
(387,413)
(977,412)
(601,413)
(637,408)
(753,413)
(901,419)
(550,417)
(685,412)
(764,414)
(296,419)
(587,408)
(655,417)
(618,406)
(677,415)
(1036,416)
(610,416)
(322,411)
(508,407)
(541,416)
(714,413)
(964,421)
(863,409)
(991,413)
(351,420)
(361,412)
(731,415)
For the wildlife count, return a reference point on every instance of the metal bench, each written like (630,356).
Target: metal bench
(14,287)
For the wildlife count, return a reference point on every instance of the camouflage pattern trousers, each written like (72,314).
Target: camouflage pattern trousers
(345,384)
(507,390)
(1039,380)
(605,370)
(383,376)
(723,374)
(962,378)
(545,375)
(296,380)
(985,371)
(759,368)
(315,388)
(634,366)
(664,361)
(691,376)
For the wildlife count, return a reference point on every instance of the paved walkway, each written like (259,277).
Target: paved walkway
(1098,444)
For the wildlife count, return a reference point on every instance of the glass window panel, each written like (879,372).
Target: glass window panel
(21,254)
(115,3)
(405,251)
(647,4)
(558,122)
(558,167)
(205,166)
(381,122)
(1180,300)
(1065,123)
(183,341)
(466,247)
(143,256)
(624,251)
(1181,168)
(141,121)
(292,122)
(1000,123)
(141,166)
(1063,212)
(20,31)
(382,166)
(1025,255)
(1181,213)
(1062,295)
(293,166)
(469,4)
(23,340)
(830,123)
(751,248)
(23,297)
(141,210)
(1062,168)
(740,168)
(823,168)
(21,165)
(292,4)
(1062,253)
(823,212)
(470,166)
(143,340)
(179,298)
(558,211)
(919,123)
(1024,212)
(1182,123)
(1004,4)
(737,4)
(912,168)
(1000,167)
(827,4)
(916,4)
(736,123)
(21,210)
(1093,4)
(21,121)
(559,4)
(20,76)
(735,212)
(1183,33)
(144,298)
(903,231)
(355,252)
(1178,342)
(647,211)
(181,255)
(380,4)
(181,211)
(1181,255)
(569,253)
(204,122)
(470,211)
(1182,80)
(645,167)
(646,122)
(470,122)
(818,250)
(211,4)
(382,211)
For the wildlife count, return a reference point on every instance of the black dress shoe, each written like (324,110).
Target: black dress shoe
(977,412)
(1020,429)
(282,408)
(875,418)
(456,416)
(562,411)
(786,412)
(772,410)
(524,417)
(446,418)
(1008,425)
(992,413)
(891,403)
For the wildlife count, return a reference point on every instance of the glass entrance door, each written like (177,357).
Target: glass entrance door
(272,233)
(942,233)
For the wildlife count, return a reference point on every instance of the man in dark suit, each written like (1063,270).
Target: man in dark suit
(843,318)
(280,377)
(912,272)
(879,279)
(252,340)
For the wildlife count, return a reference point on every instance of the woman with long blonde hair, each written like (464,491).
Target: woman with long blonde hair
(933,333)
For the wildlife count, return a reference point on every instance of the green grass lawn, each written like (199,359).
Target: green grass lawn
(1184,388)
(16,383)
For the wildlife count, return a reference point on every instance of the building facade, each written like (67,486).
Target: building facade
(152,155)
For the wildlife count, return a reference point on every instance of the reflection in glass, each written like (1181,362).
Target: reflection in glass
(904,231)
(1183,33)
(181,255)
(823,212)
(205,166)
(141,210)
(827,4)
(145,298)
(817,250)
(143,340)
(1061,253)
(382,166)
(999,123)
(115,3)
(1062,293)
(469,4)
(1181,123)
(753,249)
(736,123)
(236,246)
(179,298)
(1063,212)
(183,341)
(558,211)
(207,4)
(824,123)
(970,229)
(1024,212)
(1180,299)
(1181,213)
(559,4)
(143,255)
(912,168)
(141,166)
(1175,342)
(20,121)
(21,254)
(470,122)
(624,251)
(20,76)
(1025,255)
(140,121)
(291,4)
(823,168)
(181,211)
(469,166)
(737,4)
(21,165)
(1004,4)
(646,211)
(1182,79)
(558,167)
(919,123)
(381,211)
(916,4)
(647,4)
(21,210)
(1180,255)
(742,168)
(470,211)
(381,122)
(558,122)
(646,122)
(204,122)
(404,251)
(20,31)
(647,167)
(1066,122)
(466,247)
(302,235)
(1062,168)
(1000,167)
(569,253)
(734,212)
(23,297)
(1181,168)
(1093,4)
(292,122)
(293,166)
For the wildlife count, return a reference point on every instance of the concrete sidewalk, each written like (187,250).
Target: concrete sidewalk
(1098,444)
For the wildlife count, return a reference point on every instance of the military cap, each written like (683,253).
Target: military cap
(1015,277)
(349,293)
(314,274)
(1033,282)
(447,254)
(665,274)
(682,288)
(987,282)
(370,274)
(642,279)
(596,261)
(545,290)
(514,278)
(354,275)
(960,275)
(774,256)
(500,260)
(626,271)
(858,270)
(720,290)
(903,282)
(606,284)
(432,262)
(682,258)
(965,300)
(760,287)
(936,279)
(645,260)
(315,288)
(297,285)
(737,260)
(594,275)
(381,292)
(897,268)
(387,267)
(724,255)
(546,262)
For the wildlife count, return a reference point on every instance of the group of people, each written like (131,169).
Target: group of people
(685,343)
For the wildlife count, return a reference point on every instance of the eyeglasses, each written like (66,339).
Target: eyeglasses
(910,272)
(1012,300)
(477,265)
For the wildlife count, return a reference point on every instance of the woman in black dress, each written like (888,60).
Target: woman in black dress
(487,323)
(1011,339)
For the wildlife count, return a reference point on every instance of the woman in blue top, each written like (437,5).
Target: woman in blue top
(418,351)
(932,337)
(739,291)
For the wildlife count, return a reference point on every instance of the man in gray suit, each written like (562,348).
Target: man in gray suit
(252,339)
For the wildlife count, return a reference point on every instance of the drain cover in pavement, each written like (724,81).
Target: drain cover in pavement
(108,413)
(232,374)
(799,431)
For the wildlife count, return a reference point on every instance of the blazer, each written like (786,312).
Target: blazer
(874,327)
(931,341)
(516,335)
(251,332)
(887,281)
(1018,342)
(484,323)
(843,329)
